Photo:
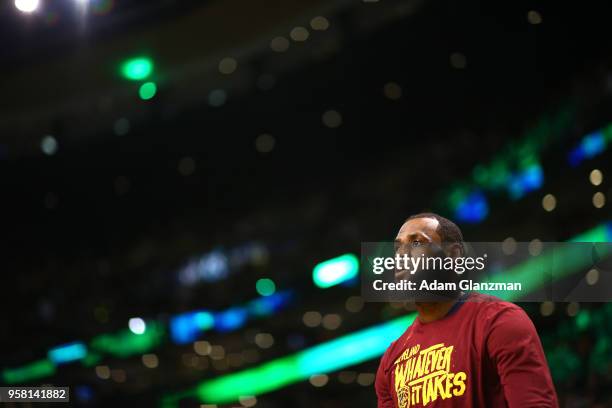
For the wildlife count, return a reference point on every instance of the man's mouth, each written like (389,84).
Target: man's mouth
(401,274)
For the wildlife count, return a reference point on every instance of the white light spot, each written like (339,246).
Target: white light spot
(535,247)
(279,44)
(27,6)
(48,145)
(547,308)
(332,321)
(599,199)
(299,34)
(573,308)
(121,126)
(319,23)
(534,17)
(392,91)
(103,372)
(332,119)
(228,65)
(150,360)
(509,246)
(186,166)
(264,340)
(312,319)
(203,348)
(264,143)
(596,177)
(137,325)
(319,380)
(458,60)
(217,98)
(247,401)
(592,277)
(366,379)
(549,202)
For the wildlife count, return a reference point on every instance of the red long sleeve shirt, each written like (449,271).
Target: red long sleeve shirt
(484,353)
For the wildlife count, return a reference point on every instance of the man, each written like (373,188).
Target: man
(466,350)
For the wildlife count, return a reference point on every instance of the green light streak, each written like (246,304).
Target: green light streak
(601,233)
(267,377)
(607,131)
(562,260)
(333,355)
(335,271)
(91,359)
(530,274)
(32,371)
(352,348)
(125,343)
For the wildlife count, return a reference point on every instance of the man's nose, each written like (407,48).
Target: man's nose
(404,250)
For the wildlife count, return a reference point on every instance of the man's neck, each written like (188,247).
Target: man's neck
(431,311)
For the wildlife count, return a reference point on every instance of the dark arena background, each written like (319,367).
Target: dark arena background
(186,185)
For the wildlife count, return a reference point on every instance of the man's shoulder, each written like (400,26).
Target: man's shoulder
(491,307)
(490,301)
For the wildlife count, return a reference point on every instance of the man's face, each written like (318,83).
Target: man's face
(414,238)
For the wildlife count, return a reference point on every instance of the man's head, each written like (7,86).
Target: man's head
(429,228)
(443,230)
(428,235)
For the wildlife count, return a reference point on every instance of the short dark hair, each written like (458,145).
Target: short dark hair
(448,230)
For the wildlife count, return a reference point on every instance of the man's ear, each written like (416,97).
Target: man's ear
(456,250)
